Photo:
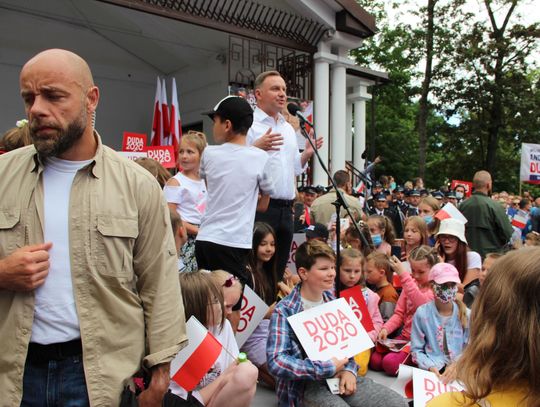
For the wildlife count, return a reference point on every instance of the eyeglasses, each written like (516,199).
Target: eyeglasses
(230,281)
(448,237)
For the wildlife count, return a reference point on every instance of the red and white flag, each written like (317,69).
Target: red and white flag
(157,127)
(176,121)
(165,116)
(450,211)
(195,360)
(519,221)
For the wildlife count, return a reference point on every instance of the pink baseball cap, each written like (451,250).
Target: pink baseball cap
(444,273)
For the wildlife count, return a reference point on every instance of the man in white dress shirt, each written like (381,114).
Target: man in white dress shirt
(271,132)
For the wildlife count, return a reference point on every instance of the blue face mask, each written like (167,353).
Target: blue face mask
(392,186)
(428,219)
(377,240)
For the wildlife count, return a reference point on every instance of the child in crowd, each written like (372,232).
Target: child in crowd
(440,328)
(300,380)
(155,168)
(235,175)
(486,266)
(263,280)
(227,379)
(379,274)
(230,285)
(416,291)
(382,233)
(353,239)
(186,193)
(415,234)
(499,366)
(351,273)
(427,209)
(453,249)
(179,233)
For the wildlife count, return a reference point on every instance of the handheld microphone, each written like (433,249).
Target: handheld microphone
(295,110)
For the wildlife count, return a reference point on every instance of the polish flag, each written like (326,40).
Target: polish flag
(157,128)
(519,221)
(176,121)
(195,360)
(404,383)
(165,116)
(450,211)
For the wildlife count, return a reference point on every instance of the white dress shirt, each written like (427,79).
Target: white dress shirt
(285,164)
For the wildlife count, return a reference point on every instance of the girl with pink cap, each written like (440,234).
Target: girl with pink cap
(440,328)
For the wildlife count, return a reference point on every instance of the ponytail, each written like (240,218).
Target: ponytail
(462,313)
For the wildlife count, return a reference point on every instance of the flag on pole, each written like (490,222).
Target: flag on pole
(176,121)
(450,211)
(157,128)
(195,360)
(166,141)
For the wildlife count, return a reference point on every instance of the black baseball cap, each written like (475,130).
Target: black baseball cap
(233,108)
(318,230)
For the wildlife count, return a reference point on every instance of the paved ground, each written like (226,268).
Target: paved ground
(267,398)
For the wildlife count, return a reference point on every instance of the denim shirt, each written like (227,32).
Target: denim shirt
(427,337)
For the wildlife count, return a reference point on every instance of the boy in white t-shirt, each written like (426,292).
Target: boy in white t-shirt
(235,174)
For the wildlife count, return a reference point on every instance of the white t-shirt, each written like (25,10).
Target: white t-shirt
(190,198)
(474,261)
(234,175)
(227,339)
(55,313)
(285,163)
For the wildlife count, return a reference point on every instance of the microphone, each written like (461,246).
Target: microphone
(295,110)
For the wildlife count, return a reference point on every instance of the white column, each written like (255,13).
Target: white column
(321,113)
(348,132)
(359,133)
(338,117)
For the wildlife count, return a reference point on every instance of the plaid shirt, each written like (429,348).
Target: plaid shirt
(286,358)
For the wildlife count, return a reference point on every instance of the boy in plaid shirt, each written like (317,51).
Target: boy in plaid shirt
(300,381)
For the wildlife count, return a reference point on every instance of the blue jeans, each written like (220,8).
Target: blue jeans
(56,383)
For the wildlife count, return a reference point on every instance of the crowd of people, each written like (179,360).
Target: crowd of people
(102,261)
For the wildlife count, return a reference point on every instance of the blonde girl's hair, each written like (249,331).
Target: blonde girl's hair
(505,318)
(384,223)
(197,138)
(219,277)
(424,252)
(419,224)
(198,291)
(354,254)
(462,313)
(430,201)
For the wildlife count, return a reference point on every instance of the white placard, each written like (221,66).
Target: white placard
(330,330)
(252,312)
(133,155)
(426,385)
(298,239)
(530,163)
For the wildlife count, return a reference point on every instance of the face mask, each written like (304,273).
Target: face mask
(428,219)
(459,195)
(392,186)
(377,240)
(445,294)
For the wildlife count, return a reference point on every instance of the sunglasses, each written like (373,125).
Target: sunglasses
(230,281)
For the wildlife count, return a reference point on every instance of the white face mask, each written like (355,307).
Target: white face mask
(459,195)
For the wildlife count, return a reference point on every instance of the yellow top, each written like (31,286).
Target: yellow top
(508,398)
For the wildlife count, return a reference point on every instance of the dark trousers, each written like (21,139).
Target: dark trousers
(55,383)
(280,217)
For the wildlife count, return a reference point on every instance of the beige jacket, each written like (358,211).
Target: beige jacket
(123,265)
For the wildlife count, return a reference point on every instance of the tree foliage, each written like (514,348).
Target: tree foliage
(483,94)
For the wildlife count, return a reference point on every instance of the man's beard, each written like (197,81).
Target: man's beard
(55,146)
